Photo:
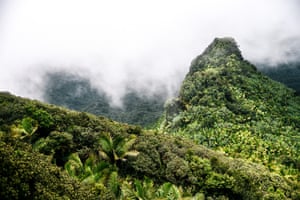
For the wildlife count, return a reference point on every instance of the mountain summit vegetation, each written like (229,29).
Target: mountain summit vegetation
(227,105)
(232,133)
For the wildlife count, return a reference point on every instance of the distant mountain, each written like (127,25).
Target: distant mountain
(75,92)
(287,73)
(226,104)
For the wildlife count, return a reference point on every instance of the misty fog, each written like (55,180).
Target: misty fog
(138,44)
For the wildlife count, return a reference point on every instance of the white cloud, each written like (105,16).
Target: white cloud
(144,41)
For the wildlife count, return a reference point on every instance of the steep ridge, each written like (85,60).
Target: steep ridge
(226,104)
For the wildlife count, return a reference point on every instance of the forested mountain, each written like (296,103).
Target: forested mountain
(75,92)
(232,133)
(227,105)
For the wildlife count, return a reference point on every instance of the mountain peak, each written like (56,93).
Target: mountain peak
(224,103)
(223,47)
(216,54)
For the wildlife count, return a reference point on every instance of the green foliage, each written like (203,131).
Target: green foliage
(196,170)
(146,190)
(116,149)
(114,185)
(74,166)
(138,190)
(94,173)
(216,54)
(57,144)
(224,104)
(44,119)
(168,190)
(25,130)
(176,169)
(28,175)
(29,125)
(228,106)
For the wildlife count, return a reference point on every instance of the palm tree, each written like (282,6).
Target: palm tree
(139,190)
(74,166)
(115,149)
(25,130)
(146,190)
(91,172)
(169,191)
(114,184)
(94,172)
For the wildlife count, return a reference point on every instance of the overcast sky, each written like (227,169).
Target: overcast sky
(113,42)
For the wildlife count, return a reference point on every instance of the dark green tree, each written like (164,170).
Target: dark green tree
(116,149)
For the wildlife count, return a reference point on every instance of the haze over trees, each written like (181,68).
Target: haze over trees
(231,133)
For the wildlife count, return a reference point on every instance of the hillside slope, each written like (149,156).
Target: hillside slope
(226,104)
(100,158)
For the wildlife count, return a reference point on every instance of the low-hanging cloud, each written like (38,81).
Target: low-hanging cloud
(146,44)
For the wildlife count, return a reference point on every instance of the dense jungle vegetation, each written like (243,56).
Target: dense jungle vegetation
(232,133)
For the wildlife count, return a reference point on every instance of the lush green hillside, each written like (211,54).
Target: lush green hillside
(49,152)
(231,134)
(226,104)
(75,92)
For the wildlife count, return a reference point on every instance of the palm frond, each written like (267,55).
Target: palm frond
(132,153)
(102,167)
(74,165)
(89,180)
(118,144)
(169,191)
(127,191)
(106,142)
(149,190)
(129,143)
(113,184)
(199,196)
(40,144)
(104,155)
